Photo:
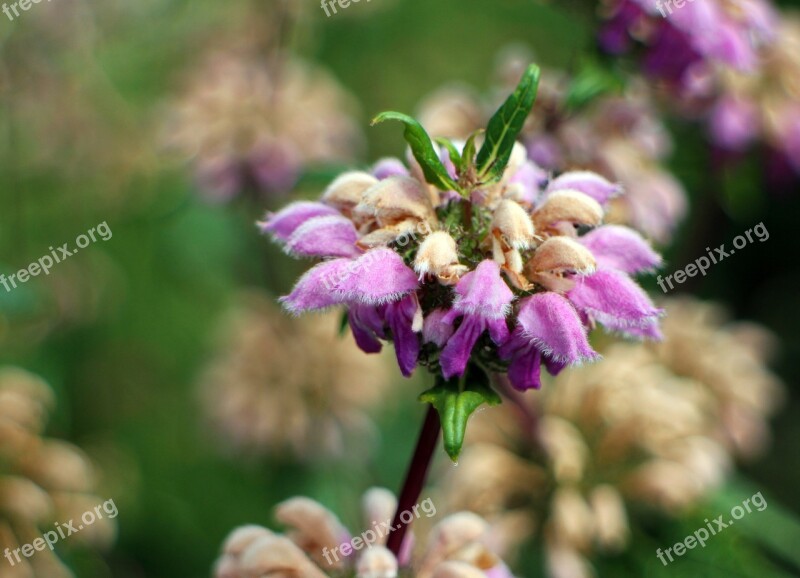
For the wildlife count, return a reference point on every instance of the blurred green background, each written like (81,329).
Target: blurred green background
(124,330)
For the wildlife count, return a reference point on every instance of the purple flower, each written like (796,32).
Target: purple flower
(614,300)
(599,188)
(549,329)
(622,248)
(482,301)
(389,167)
(282,224)
(329,236)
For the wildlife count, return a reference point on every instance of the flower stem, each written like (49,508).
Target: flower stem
(415,478)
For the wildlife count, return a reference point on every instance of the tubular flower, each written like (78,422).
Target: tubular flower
(318,545)
(653,427)
(42,481)
(499,273)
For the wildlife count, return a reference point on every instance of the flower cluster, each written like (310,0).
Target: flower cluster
(684,46)
(267,392)
(251,125)
(764,106)
(42,481)
(459,546)
(656,427)
(510,275)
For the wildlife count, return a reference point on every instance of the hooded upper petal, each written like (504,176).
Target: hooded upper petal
(619,247)
(378,276)
(328,236)
(315,289)
(550,322)
(282,224)
(483,292)
(588,183)
(614,300)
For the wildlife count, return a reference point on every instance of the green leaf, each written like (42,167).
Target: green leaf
(468,155)
(505,125)
(422,148)
(591,82)
(456,400)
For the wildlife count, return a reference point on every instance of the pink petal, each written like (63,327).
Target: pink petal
(282,224)
(435,329)
(455,355)
(483,292)
(379,276)
(614,300)
(618,247)
(524,372)
(551,323)
(315,289)
(589,183)
(328,236)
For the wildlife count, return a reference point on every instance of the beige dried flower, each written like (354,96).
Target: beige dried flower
(658,425)
(250,122)
(42,481)
(458,545)
(280,385)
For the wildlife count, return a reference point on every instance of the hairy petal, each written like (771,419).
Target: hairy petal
(400,319)
(551,323)
(619,247)
(282,224)
(329,236)
(483,292)
(614,300)
(588,183)
(315,289)
(379,276)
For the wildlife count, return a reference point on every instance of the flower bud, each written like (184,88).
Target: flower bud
(567,206)
(396,199)
(241,538)
(514,225)
(561,255)
(438,255)
(277,556)
(345,192)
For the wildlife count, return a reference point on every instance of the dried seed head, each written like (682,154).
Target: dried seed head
(514,224)
(376,562)
(345,192)
(567,206)
(565,447)
(561,255)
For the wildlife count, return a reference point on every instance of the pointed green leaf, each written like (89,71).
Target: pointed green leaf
(456,400)
(468,155)
(505,125)
(422,148)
